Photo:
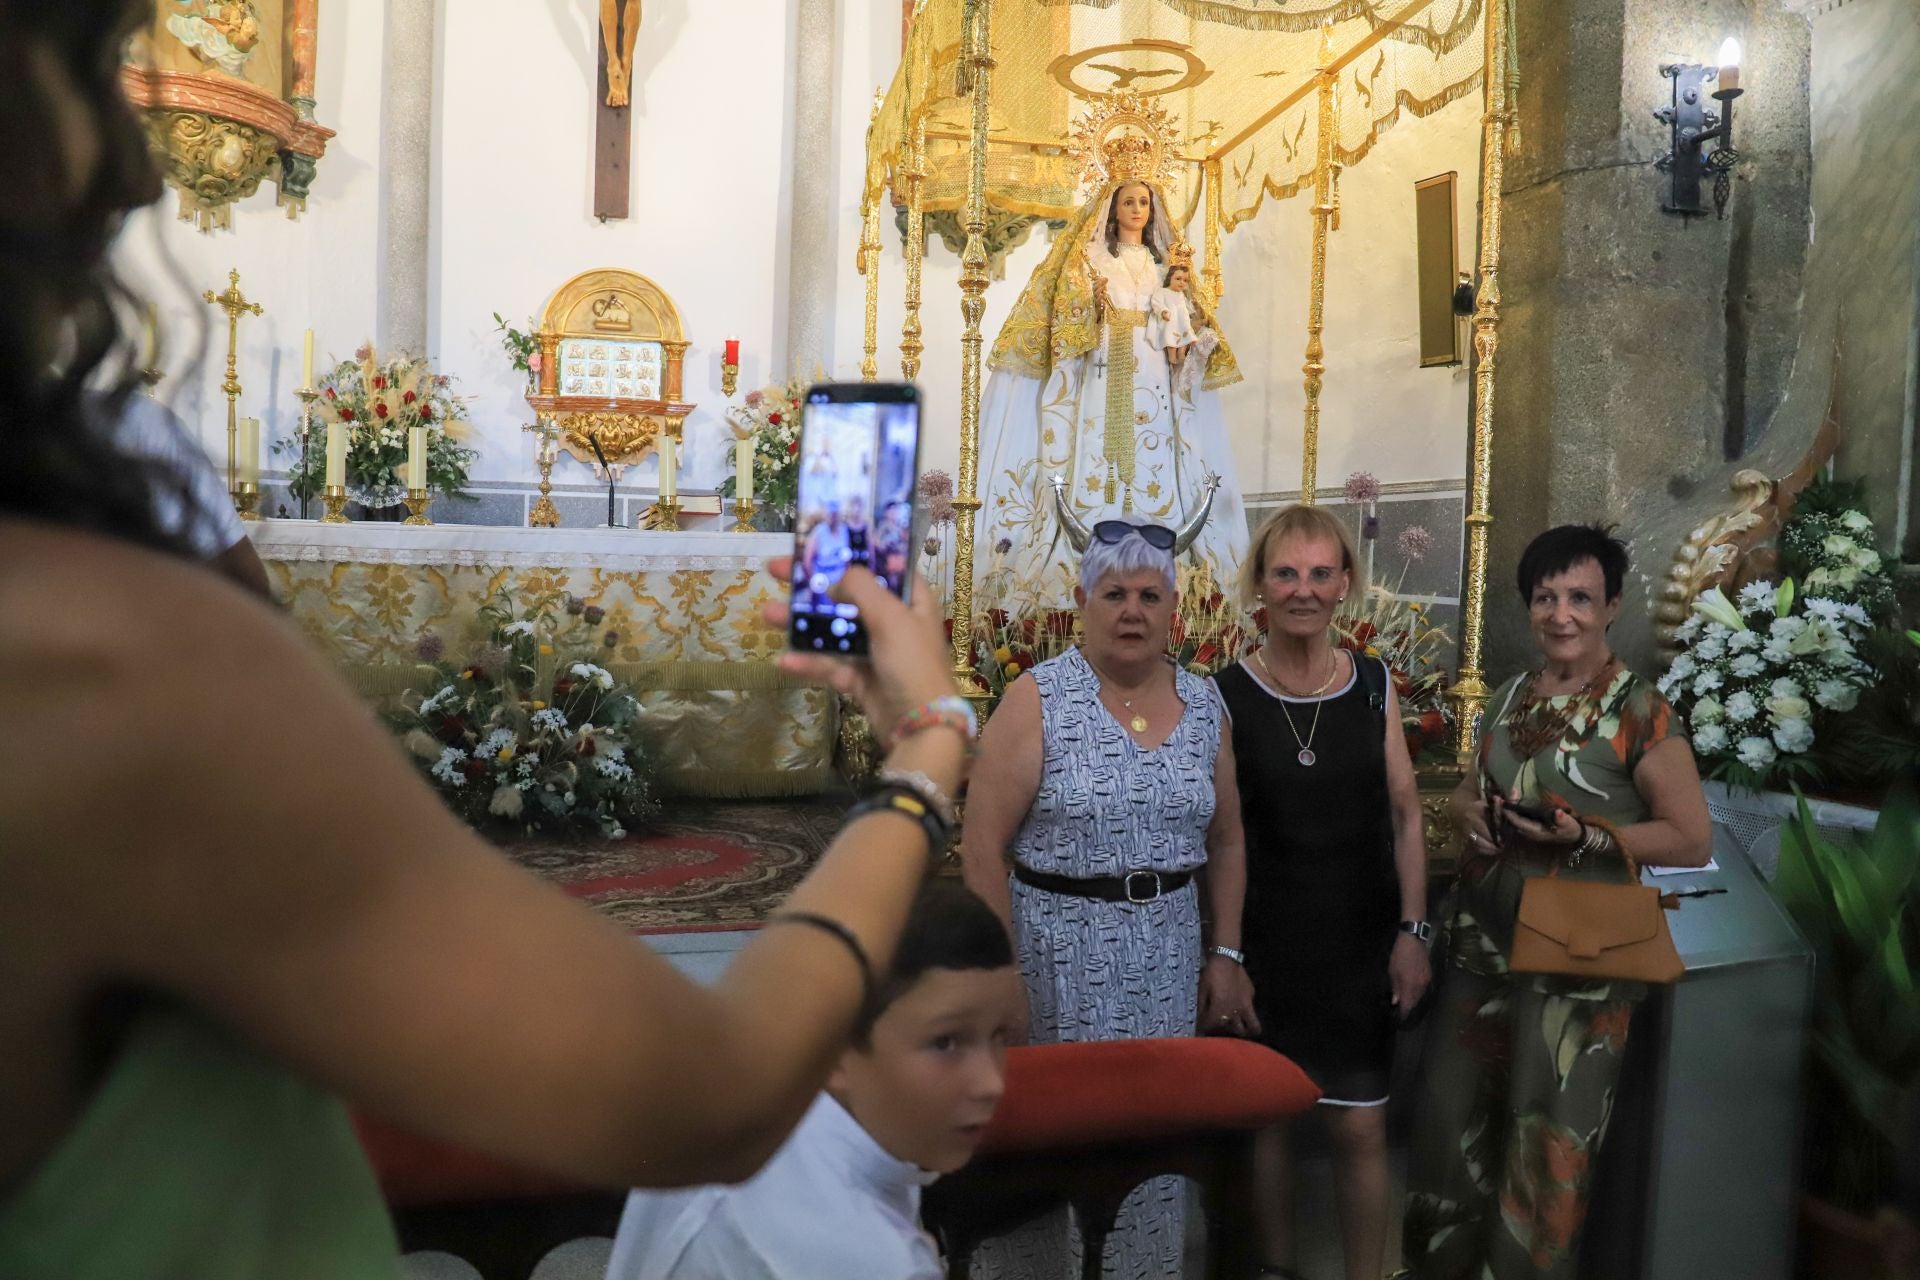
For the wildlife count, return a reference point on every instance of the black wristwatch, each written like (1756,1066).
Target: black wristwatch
(1420,929)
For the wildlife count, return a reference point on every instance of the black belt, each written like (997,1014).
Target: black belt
(1135,886)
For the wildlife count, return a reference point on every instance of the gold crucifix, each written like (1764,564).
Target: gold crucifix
(235,305)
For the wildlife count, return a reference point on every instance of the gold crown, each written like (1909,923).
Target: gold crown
(1181,256)
(1129,157)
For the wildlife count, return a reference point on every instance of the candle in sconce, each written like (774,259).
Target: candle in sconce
(306,360)
(669,481)
(417,457)
(733,351)
(336,455)
(743,469)
(246,452)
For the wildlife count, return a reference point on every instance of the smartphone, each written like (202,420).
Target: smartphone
(1545,817)
(859,458)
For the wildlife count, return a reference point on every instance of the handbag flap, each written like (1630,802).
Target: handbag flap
(1589,917)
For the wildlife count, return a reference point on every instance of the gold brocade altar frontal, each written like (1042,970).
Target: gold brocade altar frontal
(684,607)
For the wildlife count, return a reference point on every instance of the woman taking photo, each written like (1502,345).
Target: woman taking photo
(1520,1069)
(1336,871)
(228,903)
(1105,774)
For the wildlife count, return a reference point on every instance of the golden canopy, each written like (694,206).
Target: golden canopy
(1238,74)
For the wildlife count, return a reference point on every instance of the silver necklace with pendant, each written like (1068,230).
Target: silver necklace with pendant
(1306,756)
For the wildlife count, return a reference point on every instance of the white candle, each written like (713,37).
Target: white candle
(669,481)
(336,454)
(247,452)
(417,457)
(306,360)
(743,469)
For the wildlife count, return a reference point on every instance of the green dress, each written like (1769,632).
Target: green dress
(198,1157)
(1517,1086)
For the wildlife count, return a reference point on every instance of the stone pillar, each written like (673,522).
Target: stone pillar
(406,168)
(1643,358)
(812,240)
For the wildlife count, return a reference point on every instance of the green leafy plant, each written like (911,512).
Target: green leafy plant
(519,344)
(1859,905)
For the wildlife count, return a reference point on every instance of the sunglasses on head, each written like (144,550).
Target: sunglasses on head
(1116,531)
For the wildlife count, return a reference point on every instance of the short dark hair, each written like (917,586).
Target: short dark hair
(1558,550)
(948,927)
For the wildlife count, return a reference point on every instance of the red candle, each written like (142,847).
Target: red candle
(733,351)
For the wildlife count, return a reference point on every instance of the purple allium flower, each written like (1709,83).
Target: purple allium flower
(935,485)
(1414,542)
(611,639)
(491,661)
(595,615)
(940,511)
(1362,486)
(429,647)
(576,606)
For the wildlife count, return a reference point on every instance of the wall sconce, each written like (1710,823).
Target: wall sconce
(1694,124)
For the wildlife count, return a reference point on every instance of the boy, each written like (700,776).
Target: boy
(906,1103)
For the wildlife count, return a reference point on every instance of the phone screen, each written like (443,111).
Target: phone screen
(859,453)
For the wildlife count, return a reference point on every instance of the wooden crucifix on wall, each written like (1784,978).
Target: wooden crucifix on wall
(613,125)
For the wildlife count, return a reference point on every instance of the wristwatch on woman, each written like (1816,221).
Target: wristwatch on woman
(1234,954)
(1420,929)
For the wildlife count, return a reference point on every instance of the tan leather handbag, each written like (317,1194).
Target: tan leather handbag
(1592,929)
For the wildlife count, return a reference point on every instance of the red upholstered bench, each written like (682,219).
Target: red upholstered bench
(1084,1124)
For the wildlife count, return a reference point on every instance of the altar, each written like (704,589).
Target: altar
(684,607)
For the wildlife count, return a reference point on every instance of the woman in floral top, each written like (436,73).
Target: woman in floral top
(1520,1071)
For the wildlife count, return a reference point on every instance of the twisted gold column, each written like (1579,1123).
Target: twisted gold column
(916,173)
(1470,692)
(1323,215)
(976,26)
(870,268)
(1211,175)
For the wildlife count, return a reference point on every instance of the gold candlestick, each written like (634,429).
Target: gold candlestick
(743,509)
(307,396)
(666,513)
(544,514)
(235,304)
(729,378)
(335,496)
(246,497)
(418,500)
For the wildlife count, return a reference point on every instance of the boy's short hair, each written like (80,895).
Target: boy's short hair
(948,927)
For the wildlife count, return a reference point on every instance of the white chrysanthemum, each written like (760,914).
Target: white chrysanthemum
(1741,641)
(522,628)
(1837,695)
(1710,738)
(444,770)
(1785,687)
(1683,666)
(1824,609)
(1741,707)
(596,675)
(1855,614)
(1787,628)
(1777,653)
(1747,666)
(612,768)
(1756,753)
(1793,736)
(1688,629)
(550,719)
(1757,597)
(1710,648)
(1706,682)
(1667,685)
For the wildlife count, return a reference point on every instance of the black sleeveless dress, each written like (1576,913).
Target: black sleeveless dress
(1323,896)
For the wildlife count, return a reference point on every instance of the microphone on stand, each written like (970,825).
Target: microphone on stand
(601,454)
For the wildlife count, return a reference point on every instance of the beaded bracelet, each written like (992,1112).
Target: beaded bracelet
(833,928)
(950,710)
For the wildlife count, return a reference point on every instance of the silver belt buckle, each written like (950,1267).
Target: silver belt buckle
(1152,876)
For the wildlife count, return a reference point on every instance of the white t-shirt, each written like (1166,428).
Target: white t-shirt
(830,1205)
(148,429)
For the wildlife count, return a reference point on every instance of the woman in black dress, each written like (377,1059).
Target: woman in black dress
(1335,920)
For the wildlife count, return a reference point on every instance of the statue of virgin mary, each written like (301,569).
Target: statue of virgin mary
(1089,414)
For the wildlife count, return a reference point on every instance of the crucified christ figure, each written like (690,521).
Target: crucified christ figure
(617,32)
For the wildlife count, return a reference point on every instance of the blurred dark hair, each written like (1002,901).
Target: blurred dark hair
(1559,549)
(948,927)
(67,368)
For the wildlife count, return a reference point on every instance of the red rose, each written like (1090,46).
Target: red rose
(586,745)
(1433,724)
(346,415)
(408,398)
(426,413)
(793,447)
(379,382)
(774,419)
(330,393)
(379,409)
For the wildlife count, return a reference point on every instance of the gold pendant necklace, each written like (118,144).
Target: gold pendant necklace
(1138,722)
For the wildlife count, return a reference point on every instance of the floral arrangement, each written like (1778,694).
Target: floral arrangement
(934,497)
(1399,632)
(1760,676)
(772,415)
(530,732)
(380,401)
(519,344)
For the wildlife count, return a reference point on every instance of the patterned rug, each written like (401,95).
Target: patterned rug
(706,865)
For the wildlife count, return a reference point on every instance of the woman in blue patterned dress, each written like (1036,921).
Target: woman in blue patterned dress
(1105,780)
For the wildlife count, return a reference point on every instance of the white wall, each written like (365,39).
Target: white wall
(512,200)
